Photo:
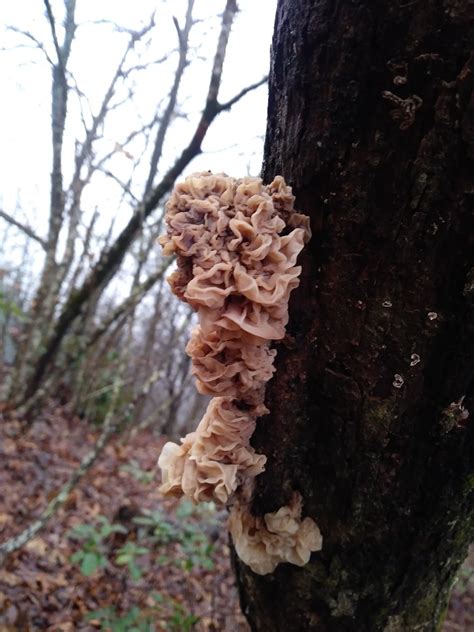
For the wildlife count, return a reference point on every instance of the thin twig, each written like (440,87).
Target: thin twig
(122,185)
(228,104)
(36,41)
(52,24)
(129,303)
(183,37)
(24,228)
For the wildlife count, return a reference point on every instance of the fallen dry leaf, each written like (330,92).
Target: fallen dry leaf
(37,546)
(40,589)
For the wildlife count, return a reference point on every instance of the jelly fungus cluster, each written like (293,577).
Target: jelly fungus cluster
(236,243)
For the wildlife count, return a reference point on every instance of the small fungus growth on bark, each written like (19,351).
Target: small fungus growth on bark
(237,242)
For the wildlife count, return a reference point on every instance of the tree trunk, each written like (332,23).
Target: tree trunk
(371,120)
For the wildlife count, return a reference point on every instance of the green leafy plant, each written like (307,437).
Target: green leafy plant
(154,530)
(193,542)
(142,476)
(186,509)
(160,530)
(205,511)
(181,620)
(127,555)
(197,549)
(171,612)
(92,555)
(134,620)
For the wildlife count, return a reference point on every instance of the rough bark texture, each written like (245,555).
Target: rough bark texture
(371,120)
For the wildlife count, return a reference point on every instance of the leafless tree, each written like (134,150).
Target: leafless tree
(94,278)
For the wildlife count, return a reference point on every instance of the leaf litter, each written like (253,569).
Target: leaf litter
(163,565)
(148,563)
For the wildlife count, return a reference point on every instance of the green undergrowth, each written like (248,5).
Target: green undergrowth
(183,542)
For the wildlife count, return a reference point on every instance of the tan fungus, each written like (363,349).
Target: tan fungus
(282,536)
(237,243)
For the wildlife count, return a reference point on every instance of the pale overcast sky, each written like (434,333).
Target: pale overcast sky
(233,145)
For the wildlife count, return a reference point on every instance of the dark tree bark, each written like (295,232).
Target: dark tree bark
(371,119)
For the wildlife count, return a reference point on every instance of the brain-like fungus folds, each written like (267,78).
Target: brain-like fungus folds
(222,364)
(282,536)
(212,461)
(237,242)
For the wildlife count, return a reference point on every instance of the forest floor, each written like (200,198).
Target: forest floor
(117,556)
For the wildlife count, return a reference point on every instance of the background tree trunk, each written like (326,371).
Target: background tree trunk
(371,120)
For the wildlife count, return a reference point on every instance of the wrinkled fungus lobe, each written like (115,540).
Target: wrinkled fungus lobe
(263,542)
(236,243)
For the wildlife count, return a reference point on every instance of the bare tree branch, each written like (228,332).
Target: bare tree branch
(121,146)
(125,187)
(86,255)
(58,114)
(78,184)
(129,303)
(98,119)
(148,64)
(52,23)
(24,228)
(111,259)
(228,104)
(183,36)
(216,76)
(39,326)
(31,37)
